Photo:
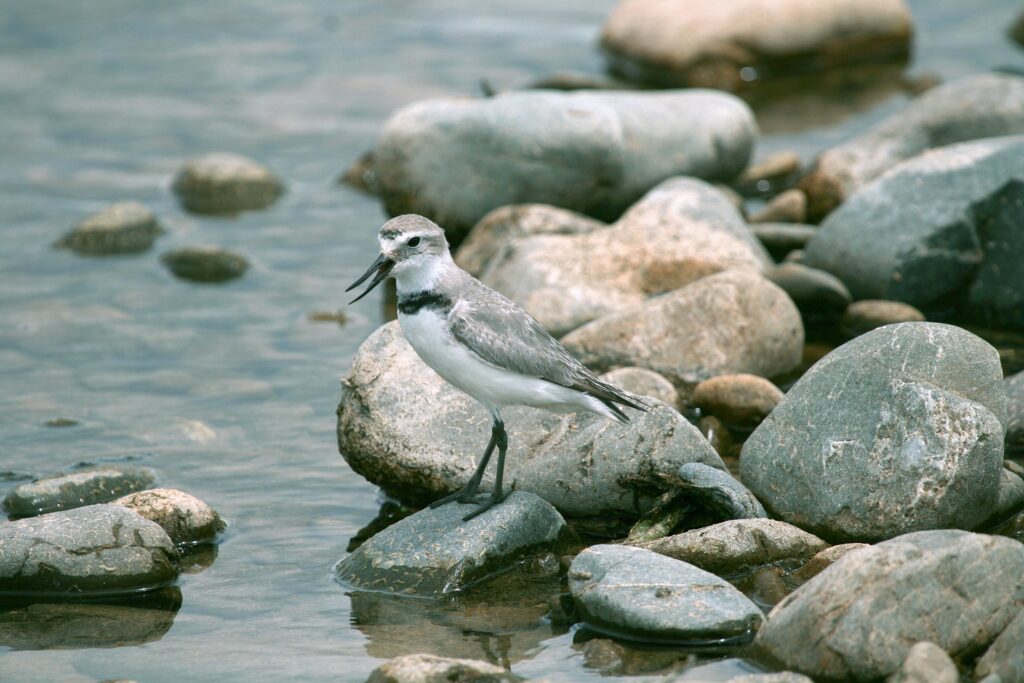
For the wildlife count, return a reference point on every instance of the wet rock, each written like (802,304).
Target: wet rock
(121,228)
(782,238)
(728,323)
(858,619)
(710,44)
(937,231)
(185,518)
(741,400)
(824,559)
(405,429)
(499,229)
(635,593)
(681,231)
(778,677)
(424,668)
(867,314)
(643,382)
(719,491)
(926,663)
(733,546)
(225,183)
(435,552)
(773,171)
(67,491)
(453,160)
(820,296)
(977,106)
(93,549)
(897,430)
(1005,657)
(205,264)
(788,207)
(1015,410)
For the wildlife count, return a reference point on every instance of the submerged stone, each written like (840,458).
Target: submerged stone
(205,264)
(67,491)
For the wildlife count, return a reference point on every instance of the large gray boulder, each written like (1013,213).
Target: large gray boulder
(636,593)
(942,228)
(716,44)
(858,619)
(95,549)
(682,230)
(405,429)
(435,552)
(898,430)
(67,491)
(453,160)
(728,323)
(977,106)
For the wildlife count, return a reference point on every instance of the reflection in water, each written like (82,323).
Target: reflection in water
(45,626)
(196,558)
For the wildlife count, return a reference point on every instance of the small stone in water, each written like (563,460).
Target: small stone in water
(74,490)
(121,228)
(423,668)
(61,422)
(185,518)
(338,317)
(225,183)
(205,264)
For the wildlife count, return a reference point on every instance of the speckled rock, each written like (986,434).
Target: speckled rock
(225,183)
(858,619)
(681,231)
(723,45)
(643,382)
(185,518)
(733,546)
(435,552)
(1005,657)
(94,549)
(824,559)
(782,238)
(719,492)
(741,400)
(926,662)
(1015,410)
(121,228)
(453,160)
(425,668)
(787,207)
(67,491)
(728,323)
(205,264)
(867,314)
(820,296)
(977,106)
(405,429)
(897,430)
(636,593)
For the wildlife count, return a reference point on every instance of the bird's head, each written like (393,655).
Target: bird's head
(411,248)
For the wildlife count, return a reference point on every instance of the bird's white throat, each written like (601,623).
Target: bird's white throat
(425,274)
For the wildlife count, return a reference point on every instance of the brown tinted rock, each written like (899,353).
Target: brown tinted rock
(742,400)
(185,518)
(121,228)
(788,207)
(867,314)
(824,559)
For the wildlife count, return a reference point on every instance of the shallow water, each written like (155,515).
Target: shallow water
(229,391)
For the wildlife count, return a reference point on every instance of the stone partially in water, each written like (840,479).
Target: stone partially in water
(98,549)
(643,382)
(435,552)
(1005,657)
(926,662)
(205,264)
(741,400)
(636,593)
(67,491)
(121,228)
(185,518)
(719,491)
(865,315)
(225,183)
(858,619)
(432,669)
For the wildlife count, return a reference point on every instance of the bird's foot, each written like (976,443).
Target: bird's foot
(463,495)
(492,500)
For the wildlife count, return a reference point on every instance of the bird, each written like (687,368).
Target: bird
(482,343)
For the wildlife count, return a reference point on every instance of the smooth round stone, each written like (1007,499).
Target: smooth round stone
(643,382)
(788,207)
(820,296)
(424,668)
(719,492)
(782,238)
(185,518)
(867,314)
(742,400)
(67,491)
(121,228)
(205,264)
(223,182)
(771,170)
(926,662)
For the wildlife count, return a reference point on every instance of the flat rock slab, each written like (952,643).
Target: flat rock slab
(423,668)
(185,518)
(68,491)
(858,619)
(636,593)
(897,430)
(99,549)
(435,552)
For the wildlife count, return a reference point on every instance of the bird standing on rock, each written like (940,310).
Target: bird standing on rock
(481,342)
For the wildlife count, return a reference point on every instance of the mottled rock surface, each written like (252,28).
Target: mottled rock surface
(67,491)
(435,552)
(225,183)
(1015,410)
(867,314)
(205,264)
(643,382)
(926,663)
(897,430)
(185,518)
(1005,657)
(858,619)
(425,668)
(741,400)
(121,228)
(636,593)
(718,491)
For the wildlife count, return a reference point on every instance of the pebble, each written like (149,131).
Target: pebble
(67,491)
(185,518)
(225,183)
(787,207)
(867,314)
(773,170)
(824,559)
(643,382)
(782,238)
(205,264)
(424,668)
(121,228)
(741,400)
(926,662)
(820,296)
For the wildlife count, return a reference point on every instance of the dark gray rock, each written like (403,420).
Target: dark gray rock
(926,663)
(205,264)
(897,430)
(936,231)
(453,160)
(1005,657)
(788,207)
(858,619)
(121,228)
(1010,499)
(719,491)
(185,518)
(67,491)
(733,546)
(435,552)
(225,183)
(867,314)
(1015,411)
(404,428)
(95,549)
(782,238)
(820,296)
(739,400)
(423,668)
(635,593)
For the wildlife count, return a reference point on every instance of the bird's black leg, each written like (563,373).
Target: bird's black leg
(497,495)
(467,492)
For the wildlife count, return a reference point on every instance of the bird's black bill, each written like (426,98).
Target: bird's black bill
(382,266)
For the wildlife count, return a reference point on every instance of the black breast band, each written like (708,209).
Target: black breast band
(411,304)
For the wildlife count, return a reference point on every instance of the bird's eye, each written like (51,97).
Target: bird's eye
(414,242)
